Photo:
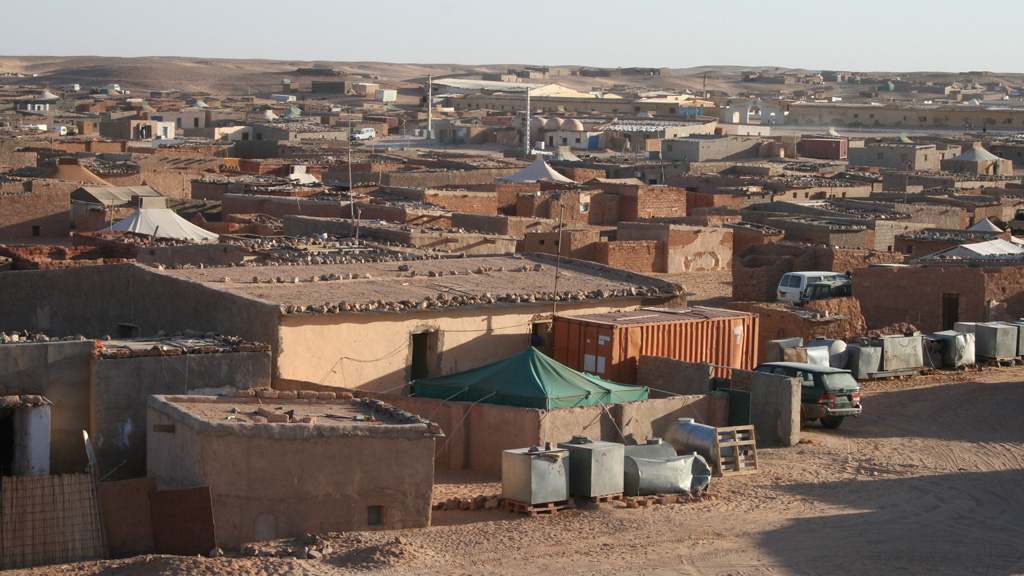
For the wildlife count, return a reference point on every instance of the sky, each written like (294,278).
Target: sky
(856,35)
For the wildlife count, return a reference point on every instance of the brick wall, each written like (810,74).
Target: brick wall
(640,256)
(471,202)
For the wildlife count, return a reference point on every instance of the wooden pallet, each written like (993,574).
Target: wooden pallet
(534,509)
(604,498)
(741,441)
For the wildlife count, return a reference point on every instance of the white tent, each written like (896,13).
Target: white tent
(162,223)
(985,225)
(538,170)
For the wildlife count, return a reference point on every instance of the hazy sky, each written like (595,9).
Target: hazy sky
(890,35)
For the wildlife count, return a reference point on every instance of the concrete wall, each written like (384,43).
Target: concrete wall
(293,479)
(774,406)
(60,372)
(121,386)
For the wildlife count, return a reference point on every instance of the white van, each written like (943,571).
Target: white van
(792,285)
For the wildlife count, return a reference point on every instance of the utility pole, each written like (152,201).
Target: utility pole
(526,127)
(430,105)
(558,258)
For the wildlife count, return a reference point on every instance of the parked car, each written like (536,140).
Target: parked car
(791,287)
(828,394)
(823,290)
(363,134)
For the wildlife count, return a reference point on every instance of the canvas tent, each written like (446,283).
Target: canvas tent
(528,379)
(538,170)
(985,225)
(162,223)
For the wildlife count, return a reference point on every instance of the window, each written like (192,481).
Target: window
(668,148)
(195,122)
(565,141)
(794,282)
(577,140)
(856,115)
(909,250)
(872,116)
(37,230)
(375,516)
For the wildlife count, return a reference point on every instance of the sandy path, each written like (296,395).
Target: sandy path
(929,480)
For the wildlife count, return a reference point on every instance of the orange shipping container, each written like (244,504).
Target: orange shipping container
(609,345)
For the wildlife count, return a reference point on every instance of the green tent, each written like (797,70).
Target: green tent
(528,379)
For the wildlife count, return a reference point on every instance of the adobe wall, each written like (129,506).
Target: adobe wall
(121,386)
(252,474)
(59,371)
(194,254)
(514,226)
(579,244)
(475,441)
(757,270)
(93,300)
(434,178)
(279,207)
(667,376)
(20,214)
(914,295)
(774,406)
(699,249)
(783,320)
(377,350)
(743,237)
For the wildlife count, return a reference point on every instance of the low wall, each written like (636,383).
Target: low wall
(667,376)
(774,406)
(476,434)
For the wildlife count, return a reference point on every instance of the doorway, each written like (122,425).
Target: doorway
(6,442)
(950,310)
(424,355)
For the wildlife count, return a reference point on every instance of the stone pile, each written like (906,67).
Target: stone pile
(482,502)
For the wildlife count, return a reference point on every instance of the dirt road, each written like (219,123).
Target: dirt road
(930,480)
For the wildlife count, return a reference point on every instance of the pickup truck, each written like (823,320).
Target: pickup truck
(362,134)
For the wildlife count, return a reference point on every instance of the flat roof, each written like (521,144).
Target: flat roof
(426,284)
(659,316)
(293,419)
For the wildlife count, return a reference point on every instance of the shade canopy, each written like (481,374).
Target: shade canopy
(528,379)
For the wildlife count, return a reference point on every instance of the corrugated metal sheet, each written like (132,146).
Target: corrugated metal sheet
(609,345)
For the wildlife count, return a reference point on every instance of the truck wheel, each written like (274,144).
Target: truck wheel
(832,423)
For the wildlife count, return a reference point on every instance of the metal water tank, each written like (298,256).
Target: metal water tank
(837,354)
(958,348)
(595,467)
(1020,336)
(774,348)
(535,475)
(932,347)
(646,476)
(965,327)
(995,341)
(653,448)
(901,352)
(816,355)
(863,360)
(686,435)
